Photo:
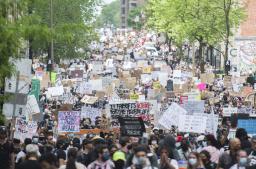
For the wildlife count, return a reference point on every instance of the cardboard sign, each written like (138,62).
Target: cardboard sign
(147,70)
(194,107)
(77,74)
(131,126)
(156,85)
(31,106)
(24,129)
(192,123)
(89,99)
(129,109)
(69,121)
(134,96)
(207,78)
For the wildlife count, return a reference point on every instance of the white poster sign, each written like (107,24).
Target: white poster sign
(192,123)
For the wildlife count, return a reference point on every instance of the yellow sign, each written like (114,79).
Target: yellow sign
(147,70)
(134,96)
(156,85)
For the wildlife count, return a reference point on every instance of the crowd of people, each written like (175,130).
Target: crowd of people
(159,148)
(109,151)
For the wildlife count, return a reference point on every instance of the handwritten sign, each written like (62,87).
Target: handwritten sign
(69,121)
(24,129)
(171,116)
(156,85)
(192,123)
(193,107)
(90,112)
(228,111)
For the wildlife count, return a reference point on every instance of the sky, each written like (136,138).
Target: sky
(108,1)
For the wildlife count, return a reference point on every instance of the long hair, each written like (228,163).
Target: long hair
(72,153)
(198,160)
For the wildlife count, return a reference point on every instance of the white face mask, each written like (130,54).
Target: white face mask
(154,142)
(192,161)
(205,144)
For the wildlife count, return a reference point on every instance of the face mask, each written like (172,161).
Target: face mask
(106,157)
(154,142)
(192,161)
(178,144)
(141,161)
(243,161)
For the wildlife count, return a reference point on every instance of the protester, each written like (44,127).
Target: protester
(212,148)
(119,160)
(71,162)
(165,162)
(194,161)
(228,159)
(103,159)
(48,161)
(32,156)
(242,160)
(206,159)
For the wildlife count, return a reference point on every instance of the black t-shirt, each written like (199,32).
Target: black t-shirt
(210,165)
(5,153)
(29,164)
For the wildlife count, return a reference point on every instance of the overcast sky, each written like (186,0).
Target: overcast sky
(108,1)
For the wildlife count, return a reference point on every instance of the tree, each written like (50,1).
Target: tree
(72,29)
(110,15)
(190,20)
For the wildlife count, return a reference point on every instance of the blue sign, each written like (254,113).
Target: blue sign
(248,124)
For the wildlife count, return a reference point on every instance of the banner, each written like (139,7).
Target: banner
(132,109)
(248,124)
(131,126)
(25,129)
(69,121)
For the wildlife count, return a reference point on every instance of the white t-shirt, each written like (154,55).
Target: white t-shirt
(173,163)
(236,167)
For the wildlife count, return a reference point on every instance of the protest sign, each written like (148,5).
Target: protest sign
(145,78)
(171,116)
(89,99)
(163,77)
(192,123)
(156,85)
(245,110)
(35,88)
(90,112)
(134,96)
(246,91)
(131,126)
(207,78)
(212,124)
(147,70)
(193,96)
(193,107)
(130,82)
(128,109)
(39,74)
(77,74)
(169,85)
(24,129)
(55,91)
(69,121)
(248,124)
(96,84)
(228,111)
(227,81)
(31,106)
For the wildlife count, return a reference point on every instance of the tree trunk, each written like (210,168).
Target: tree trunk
(201,57)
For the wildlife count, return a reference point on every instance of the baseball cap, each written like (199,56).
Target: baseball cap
(119,155)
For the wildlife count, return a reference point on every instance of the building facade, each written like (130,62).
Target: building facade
(126,6)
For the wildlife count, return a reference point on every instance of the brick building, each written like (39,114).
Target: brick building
(126,6)
(248,27)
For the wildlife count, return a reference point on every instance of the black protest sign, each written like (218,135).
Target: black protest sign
(169,86)
(134,109)
(131,126)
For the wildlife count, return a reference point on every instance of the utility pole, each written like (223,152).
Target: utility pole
(193,58)
(14,105)
(52,56)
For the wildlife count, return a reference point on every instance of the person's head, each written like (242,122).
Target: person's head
(113,148)
(3,134)
(193,160)
(253,142)
(140,159)
(16,145)
(102,153)
(164,151)
(76,143)
(72,154)
(241,134)
(210,139)
(235,144)
(87,145)
(32,151)
(48,161)
(205,156)
(123,141)
(119,159)
(50,139)
(242,158)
